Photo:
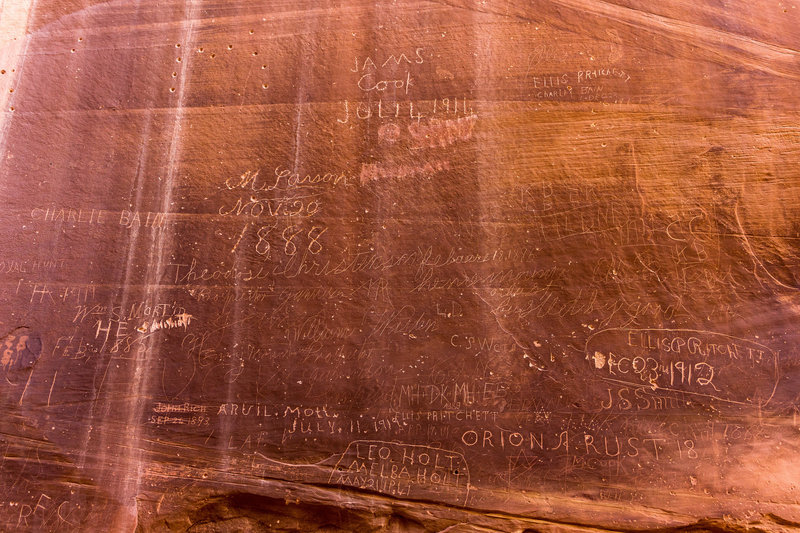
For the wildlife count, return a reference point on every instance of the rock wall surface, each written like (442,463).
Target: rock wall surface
(460,266)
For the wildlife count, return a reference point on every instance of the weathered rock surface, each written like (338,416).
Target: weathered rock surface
(456,266)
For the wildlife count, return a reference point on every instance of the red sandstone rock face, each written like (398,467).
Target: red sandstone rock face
(399,266)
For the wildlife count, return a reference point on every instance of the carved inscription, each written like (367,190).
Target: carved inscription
(403,470)
(497,266)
